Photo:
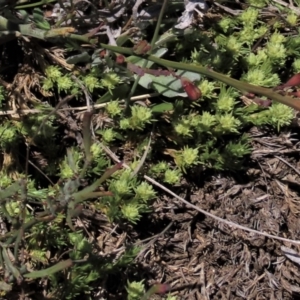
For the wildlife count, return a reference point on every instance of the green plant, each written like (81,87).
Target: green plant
(195,121)
(135,290)
(63,201)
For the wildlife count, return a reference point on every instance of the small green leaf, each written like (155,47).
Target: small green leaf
(8,192)
(5,287)
(140,61)
(117,93)
(38,15)
(162,107)
(83,57)
(39,19)
(168,86)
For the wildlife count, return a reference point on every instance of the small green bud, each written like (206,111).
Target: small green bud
(13,208)
(96,150)
(227,123)
(207,122)
(121,187)
(9,135)
(66,171)
(135,290)
(292,19)
(276,52)
(47,84)
(186,157)
(226,23)
(277,38)
(249,16)
(277,25)
(91,82)
(280,115)
(194,120)
(183,129)
(113,108)
(145,192)
(159,168)
(127,174)
(262,76)
(217,61)
(260,31)
(172,176)
(247,35)
(189,155)
(225,104)
(226,100)
(108,135)
(110,80)
(140,116)
(53,73)
(64,83)
(74,237)
(5,181)
(207,88)
(234,45)
(141,113)
(125,124)
(131,212)
(239,149)
(258,59)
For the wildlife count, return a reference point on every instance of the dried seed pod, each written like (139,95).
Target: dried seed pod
(190,88)
(102,53)
(120,59)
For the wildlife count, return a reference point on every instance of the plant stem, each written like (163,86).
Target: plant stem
(29,5)
(155,35)
(244,87)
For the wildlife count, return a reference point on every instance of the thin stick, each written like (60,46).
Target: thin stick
(36,111)
(218,218)
(287,163)
(154,182)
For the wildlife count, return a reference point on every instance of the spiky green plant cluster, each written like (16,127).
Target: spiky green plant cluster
(55,78)
(81,277)
(185,135)
(58,204)
(28,129)
(209,133)
(130,197)
(135,290)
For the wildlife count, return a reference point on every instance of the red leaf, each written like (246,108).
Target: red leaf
(102,53)
(162,288)
(294,81)
(192,91)
(120,59)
